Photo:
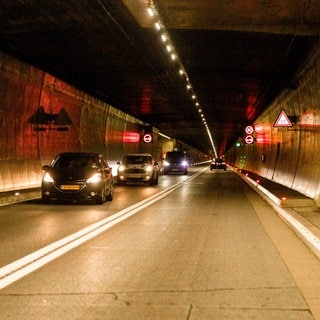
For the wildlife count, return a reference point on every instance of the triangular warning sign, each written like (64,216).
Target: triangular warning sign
(282,120)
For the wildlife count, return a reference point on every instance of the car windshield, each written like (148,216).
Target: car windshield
(137,160)
(174,156)
(75,161)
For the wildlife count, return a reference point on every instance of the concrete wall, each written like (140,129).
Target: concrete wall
(289,155)
(29,139)
(41,116)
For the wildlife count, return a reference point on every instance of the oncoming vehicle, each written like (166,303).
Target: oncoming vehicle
(73,176)
(218,163)
(138,167)
(175,162)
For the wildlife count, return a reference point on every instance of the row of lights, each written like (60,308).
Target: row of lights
(169,47)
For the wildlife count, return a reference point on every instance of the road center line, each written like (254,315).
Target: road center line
(24,266)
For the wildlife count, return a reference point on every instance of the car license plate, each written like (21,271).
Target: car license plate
(69,187)
(135,175)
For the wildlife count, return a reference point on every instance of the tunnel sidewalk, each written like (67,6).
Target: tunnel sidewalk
(22,195)
(297,210)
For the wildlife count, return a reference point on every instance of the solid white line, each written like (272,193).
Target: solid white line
(24,266)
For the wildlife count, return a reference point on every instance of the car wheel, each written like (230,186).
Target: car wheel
(109,197)
(100,197)
(45,199)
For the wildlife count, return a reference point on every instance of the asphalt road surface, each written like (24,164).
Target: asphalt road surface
(201,246)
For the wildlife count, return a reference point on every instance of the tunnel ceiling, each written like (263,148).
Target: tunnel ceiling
(238,56)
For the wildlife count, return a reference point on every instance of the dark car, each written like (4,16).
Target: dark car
(175,162)
(218,164)
(138,167)
(77,176)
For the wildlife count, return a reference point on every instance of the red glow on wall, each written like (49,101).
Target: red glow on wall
(145,106)
(258,128)
(251,107)
(261,128)
(131,137)
(262,139)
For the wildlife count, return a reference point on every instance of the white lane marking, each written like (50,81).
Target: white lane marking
(24,266)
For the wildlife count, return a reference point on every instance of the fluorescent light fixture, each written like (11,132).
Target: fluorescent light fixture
(150,12)
(164,38)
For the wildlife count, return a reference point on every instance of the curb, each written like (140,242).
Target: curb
(309,234)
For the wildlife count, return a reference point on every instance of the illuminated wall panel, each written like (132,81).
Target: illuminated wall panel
(291,155)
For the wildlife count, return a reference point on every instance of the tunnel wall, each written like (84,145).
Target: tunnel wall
(288,155)
(41,116)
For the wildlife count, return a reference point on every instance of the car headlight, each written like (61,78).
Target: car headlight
(184,163)
(166,163)
(95,178)
(121,168)
(149,168)
(47,177)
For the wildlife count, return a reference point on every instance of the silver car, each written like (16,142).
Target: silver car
(138,167)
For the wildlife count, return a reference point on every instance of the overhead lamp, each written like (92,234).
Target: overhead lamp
(165,136)
(150,12)
(164,38)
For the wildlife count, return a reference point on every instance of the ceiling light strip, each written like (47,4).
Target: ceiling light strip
(159,26)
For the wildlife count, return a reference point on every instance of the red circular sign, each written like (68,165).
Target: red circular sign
(147,138)
(249,129)
(249,139)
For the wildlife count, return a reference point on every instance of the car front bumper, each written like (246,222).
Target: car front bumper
(70,192)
